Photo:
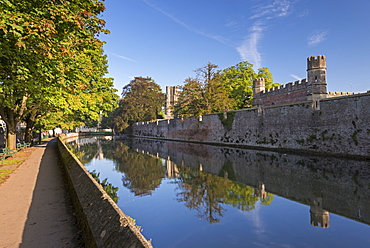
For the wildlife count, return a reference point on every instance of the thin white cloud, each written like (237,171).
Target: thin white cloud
(295,77)
(317,37)
(123,57)
(277,8)
(248,50)
(183,24)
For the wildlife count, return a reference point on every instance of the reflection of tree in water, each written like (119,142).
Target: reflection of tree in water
(142,173)
(89,151)
(202,192)
(108,187)
(206,193)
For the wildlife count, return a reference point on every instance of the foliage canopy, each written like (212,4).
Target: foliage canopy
(203,94)
(51,60)
(214,90)
(142,100)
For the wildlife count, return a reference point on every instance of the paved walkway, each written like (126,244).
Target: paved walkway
(35,210)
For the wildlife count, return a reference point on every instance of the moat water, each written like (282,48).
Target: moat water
(192,195)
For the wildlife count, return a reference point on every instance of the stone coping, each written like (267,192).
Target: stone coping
(103,222)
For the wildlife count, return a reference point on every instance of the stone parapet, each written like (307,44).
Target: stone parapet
(103,222)
(336,126)
(287,88)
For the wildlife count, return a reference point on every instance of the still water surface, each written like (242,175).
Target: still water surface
(192,195)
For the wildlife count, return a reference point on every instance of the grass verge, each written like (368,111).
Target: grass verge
(4,174)
(12,163)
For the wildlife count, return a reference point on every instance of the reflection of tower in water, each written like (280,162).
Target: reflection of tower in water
(260,191)
(99,153)
(172,170)
(319,216)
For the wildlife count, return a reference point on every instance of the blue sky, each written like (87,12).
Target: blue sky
(168,39)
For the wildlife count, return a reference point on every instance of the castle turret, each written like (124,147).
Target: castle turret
(258,88)
(316,77)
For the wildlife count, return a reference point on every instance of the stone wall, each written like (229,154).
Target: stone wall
(311,89)
(298,91)
(337,126)
(103,222)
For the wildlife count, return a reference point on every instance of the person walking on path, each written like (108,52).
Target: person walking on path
(35,209)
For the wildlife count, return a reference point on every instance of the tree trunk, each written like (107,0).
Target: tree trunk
(40,137)
(11,137)
(28,134)
(11,118)
(30,122)
(11,129)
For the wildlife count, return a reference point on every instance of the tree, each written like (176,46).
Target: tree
(238,80)
(142,100)
(204,94)
(51,60)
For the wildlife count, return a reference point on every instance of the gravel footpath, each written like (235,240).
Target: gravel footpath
(35,210)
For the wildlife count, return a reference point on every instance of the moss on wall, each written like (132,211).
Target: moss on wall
(227,122)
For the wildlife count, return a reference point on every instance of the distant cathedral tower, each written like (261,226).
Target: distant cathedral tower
(316,76)
(172,93)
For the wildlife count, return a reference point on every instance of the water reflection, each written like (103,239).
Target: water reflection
(89,148)
(142,173)
(326,184)
(209,177)
(318,216)
(200,191)
(207,193)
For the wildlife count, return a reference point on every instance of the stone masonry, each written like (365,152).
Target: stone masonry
(311,120)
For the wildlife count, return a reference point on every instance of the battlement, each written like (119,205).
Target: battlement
(311,89)
(337,94)
(316,62)
(287,88)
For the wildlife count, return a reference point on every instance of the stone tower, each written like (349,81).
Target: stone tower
(172,93)
(258,88)
(316,77)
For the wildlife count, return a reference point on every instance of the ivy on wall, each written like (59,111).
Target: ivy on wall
(228,121)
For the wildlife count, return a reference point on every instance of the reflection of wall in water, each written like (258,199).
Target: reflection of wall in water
(172,170)
(341,184)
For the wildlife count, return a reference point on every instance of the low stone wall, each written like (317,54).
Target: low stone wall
(336,126)
(103,222)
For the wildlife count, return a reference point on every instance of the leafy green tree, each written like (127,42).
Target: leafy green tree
(238,80)
(204,94)
(50,59)
(142,100)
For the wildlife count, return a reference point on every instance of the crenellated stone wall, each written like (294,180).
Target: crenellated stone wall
(311,89)
(337,126)
(292,92)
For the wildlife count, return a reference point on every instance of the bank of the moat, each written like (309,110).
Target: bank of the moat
(194,195)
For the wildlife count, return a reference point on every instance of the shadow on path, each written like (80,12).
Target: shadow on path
(51,221)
